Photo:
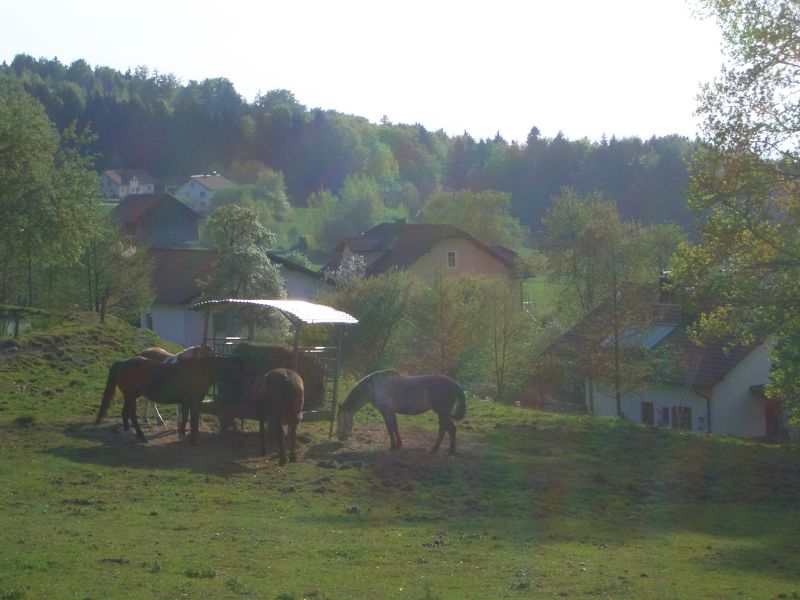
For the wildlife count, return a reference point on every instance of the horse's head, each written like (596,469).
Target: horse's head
(344,424)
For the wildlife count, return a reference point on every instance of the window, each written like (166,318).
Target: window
(663,417)
(682,417)
(648,415)
(451,259)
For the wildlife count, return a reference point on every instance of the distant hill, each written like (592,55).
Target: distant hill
(150,120)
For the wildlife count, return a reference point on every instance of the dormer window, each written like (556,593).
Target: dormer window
(451,259)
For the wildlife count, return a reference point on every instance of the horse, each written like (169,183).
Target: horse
(392,393)
(279,400)
(184,382)
(161,355)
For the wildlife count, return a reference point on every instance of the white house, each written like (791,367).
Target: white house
(118,184)
(198,190)
(175,275)
(715,389)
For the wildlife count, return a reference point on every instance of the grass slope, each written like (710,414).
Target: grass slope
(534,505)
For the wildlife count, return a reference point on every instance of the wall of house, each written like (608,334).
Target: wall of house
(469,259)
(197,196)
(300,286)
(662,396)
(108,188)
(734,409)
(177,324)
(168,225)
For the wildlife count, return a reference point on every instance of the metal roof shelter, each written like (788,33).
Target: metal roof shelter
(299,313)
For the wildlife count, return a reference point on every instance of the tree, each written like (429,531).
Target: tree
(607,270)
(47,191)
(243,269)
(116,273)
(744,272)
(486,215)
(381,305)
(270,189)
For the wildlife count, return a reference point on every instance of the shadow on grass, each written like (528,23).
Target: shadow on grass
(219,454)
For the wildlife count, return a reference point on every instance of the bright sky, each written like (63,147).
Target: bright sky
(584,67)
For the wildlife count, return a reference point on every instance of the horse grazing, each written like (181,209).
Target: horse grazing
(184,382)
(392,393)
(279,400)
(161,355)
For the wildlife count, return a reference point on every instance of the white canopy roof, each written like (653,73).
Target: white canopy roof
(295,310)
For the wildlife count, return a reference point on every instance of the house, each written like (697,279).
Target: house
(169,185)
(176,272)
(425,250)
(710,388)
(198,190)
(175,276)
(301,282)
(158,220)
(118,184)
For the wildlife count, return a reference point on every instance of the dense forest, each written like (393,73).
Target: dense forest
(150,120)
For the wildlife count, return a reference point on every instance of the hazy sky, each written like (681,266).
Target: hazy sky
(585,67)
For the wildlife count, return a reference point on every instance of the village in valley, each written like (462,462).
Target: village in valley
(258,348)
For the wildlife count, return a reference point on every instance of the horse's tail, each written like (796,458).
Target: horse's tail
(108,393)
(461,404)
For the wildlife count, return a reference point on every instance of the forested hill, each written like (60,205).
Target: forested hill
(154,121)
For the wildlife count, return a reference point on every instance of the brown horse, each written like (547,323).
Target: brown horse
(392,393)
(161,355)
(184,382)
(279,400)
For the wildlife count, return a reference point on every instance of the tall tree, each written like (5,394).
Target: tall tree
(606,269)
(47,191)
(486,215)
(745,185)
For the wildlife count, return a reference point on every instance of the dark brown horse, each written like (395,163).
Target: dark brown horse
(184,382)
(392,393)
(279,400)
(161,355)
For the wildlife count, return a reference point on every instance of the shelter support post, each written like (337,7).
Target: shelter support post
(338,374)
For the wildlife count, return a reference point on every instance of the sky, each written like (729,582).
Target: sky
(583,67)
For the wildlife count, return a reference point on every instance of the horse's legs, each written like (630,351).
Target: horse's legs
(145,406)
(452,428)
(293,441)
(182,422)
(262,432)
(130,408)
(194,416)
(446,425)
(275,426)
(394,433)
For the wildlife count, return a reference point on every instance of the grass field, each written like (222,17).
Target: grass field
(534,505)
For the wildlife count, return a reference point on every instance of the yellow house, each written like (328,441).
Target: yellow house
(424,250)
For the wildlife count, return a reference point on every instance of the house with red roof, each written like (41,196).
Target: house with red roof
(118,184)
(425,250)
(175,277)
(712,388)
(157,220)
(198,190)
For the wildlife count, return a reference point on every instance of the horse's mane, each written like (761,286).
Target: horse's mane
(353,398)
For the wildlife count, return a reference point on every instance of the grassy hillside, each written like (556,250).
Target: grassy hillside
(534,505)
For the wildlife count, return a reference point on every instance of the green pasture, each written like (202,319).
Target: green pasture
(535,505)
